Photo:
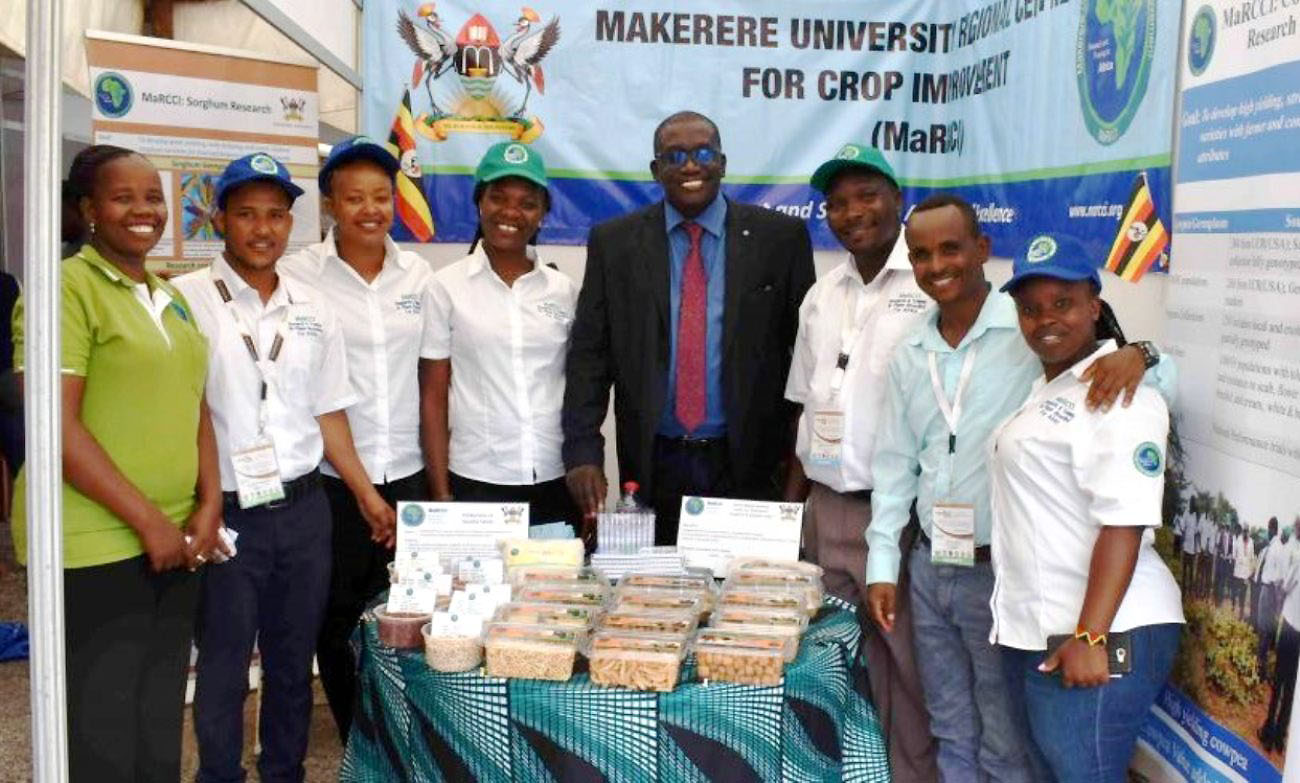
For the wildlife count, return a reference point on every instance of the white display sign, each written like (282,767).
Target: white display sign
(712,531)
(457,530)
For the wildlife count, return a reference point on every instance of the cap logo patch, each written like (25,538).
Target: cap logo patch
(1147,459)
(1040,249)
(361,140)
(264,164)
(515,153)
(849,152)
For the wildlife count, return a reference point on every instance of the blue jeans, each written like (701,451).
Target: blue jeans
(1088,734)
(980,737)
(273,591)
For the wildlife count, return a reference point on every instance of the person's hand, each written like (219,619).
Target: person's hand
(880,604)
(202,526)
(588,487)
(1120,371)
(380,516)
(164,545)
(1081,665)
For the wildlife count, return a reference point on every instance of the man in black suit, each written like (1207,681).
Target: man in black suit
(689,307)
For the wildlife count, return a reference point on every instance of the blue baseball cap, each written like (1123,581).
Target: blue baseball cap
(356,148)
(1056,256)
(254,168)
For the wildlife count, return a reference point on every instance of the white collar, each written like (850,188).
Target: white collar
(897,261)
(329,248)
(478,261)
(286,291)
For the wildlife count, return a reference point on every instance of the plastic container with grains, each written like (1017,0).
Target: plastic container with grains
(563,593)
(521,575)
(531,652)
(452,653)
(769,598)
(640,661)
(535,613)
(782,622)
(725,655)
(669,581)
(679,621)
(798,566)
(401,629)
(663,599)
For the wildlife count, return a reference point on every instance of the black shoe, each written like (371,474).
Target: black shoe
(1265,738)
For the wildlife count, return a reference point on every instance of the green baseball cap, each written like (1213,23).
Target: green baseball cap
(511,159)
(852,156)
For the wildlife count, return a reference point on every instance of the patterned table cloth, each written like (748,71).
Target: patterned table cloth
(415,724)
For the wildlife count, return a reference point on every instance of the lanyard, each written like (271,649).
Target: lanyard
(952,410)
(852,322)
(263,367)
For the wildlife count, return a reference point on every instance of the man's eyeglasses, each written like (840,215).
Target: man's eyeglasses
(675,158)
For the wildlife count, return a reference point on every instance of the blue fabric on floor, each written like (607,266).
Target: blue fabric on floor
(13,642)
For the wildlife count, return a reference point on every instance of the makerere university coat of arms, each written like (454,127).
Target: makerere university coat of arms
(475,102)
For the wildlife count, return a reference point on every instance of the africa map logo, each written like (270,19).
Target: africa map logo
(1113,55)
(475,101)
(1200,41)
(113,94)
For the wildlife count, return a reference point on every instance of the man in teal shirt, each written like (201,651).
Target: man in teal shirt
(951,383)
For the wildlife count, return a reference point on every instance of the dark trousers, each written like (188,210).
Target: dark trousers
(274,592)
(684,468)
(1222,570)
(127,644)
(360,572)
(1284,674)
(548,501)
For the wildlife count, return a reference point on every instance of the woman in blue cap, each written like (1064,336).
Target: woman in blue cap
(491,396)
(1087,614)
(380,294)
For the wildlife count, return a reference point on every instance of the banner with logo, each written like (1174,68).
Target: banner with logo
(1233,323)
(1042,112)
(191,110)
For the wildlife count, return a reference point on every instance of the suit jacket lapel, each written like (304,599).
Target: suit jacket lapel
(737,237)
(655,248)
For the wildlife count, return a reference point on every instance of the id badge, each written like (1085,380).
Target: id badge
(826,441)
(952,534)
(257,473)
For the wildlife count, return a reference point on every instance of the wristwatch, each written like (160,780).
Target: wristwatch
(1150,354)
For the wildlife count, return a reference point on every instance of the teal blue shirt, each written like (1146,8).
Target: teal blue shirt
(912,460)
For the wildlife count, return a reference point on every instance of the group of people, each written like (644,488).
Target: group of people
(235,441)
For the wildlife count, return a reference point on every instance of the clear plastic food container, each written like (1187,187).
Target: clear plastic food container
(680,621)
(399,629)
(669,581)
(452,653)
(521,575)
(663,599)
(536,613)
(726,655)
(563,593)
(797,566)
(531,652)
(541,551)
(640,661)
(790,597)
(782,622)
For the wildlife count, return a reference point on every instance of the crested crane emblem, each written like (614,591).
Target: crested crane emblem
(475,100)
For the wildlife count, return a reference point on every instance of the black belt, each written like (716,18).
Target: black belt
(859,494)
(687,442)
(982,553)
(293,492)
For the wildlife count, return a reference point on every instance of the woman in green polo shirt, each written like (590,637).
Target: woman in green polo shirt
(140,472)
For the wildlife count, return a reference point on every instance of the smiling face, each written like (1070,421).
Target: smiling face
(361,201)
(862,211)
(510,211)
(1058,319)
(690,187)
(947,255)
(127,208)
(256,223)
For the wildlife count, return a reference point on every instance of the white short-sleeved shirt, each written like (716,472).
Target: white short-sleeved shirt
(1187,529)
(1274,561)
(309,379)
(1291,590)
(1243,557)
(1209,533)
(1059,473)
(386,324)
(507,346)
(871,318)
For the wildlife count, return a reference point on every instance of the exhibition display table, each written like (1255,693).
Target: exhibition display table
(415,724)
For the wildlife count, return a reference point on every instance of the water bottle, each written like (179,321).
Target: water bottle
(627,501)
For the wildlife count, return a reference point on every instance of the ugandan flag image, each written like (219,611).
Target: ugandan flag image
(412,206)
(1141,237)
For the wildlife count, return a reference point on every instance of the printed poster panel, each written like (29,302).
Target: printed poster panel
(1233,323)
(191,111)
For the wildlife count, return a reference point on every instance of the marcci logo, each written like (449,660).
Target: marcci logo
(1201,40)
(694,506)
(1113,54)
(412,515)
(113,94)
(1146,457)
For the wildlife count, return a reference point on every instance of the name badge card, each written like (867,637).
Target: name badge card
(712,531)
(456,531)
(415,595)
(826,437)
(257,473)
(952,534)
(455,624)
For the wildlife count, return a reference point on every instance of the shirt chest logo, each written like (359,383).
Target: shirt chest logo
(1057,410)
(554,312)
(408,303)
(906,303)
(305,325)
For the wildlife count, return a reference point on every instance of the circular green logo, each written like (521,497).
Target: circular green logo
(264,164)
(412,514)
(1200,40)
(1041,248)
(1113,54)
(113,94)
(849,152)
(515,153)
(694,506)
(1147,459)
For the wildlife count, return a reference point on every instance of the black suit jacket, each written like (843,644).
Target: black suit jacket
(620,338)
